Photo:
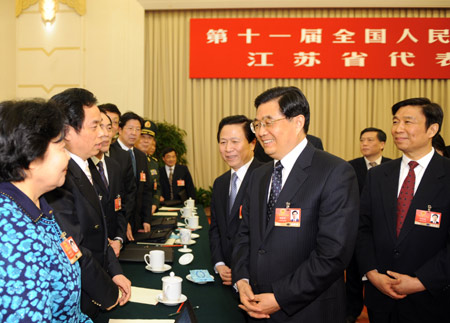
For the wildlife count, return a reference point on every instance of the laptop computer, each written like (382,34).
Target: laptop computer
(135,252)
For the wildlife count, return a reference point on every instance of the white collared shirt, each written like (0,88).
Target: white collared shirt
(419,170)
(168,170)
(83,164)
(240,173)
(124,147)
(288,162)
(105,168)
(378,161)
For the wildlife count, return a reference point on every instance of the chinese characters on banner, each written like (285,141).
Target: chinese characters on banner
(400,48)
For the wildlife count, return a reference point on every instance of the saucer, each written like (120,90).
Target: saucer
(182,299)
(159,270)
(194,228)
(178,241)
(195,235)
(186,259)
(188,277)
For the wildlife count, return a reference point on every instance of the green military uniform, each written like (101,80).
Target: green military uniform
(150,129)
(154,178)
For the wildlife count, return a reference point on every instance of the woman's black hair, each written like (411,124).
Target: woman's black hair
(26,129)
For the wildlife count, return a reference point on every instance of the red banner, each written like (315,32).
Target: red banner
(372,48)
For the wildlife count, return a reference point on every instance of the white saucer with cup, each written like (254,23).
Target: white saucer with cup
(155,261)
(191,222)
(171,287)
(187,212)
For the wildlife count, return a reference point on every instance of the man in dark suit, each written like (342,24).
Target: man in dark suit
(236,145)
(371,144)
(129,131)
(288,271)
(106,174)
(181,187)
(78,209)
(405,260)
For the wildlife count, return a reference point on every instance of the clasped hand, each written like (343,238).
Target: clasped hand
(259,306)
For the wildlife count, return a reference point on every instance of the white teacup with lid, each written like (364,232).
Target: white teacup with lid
(190,203)
(171,286)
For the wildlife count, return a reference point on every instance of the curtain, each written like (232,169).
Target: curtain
(340,108)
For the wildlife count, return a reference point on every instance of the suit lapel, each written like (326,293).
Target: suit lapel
(293,184)
(430,185)
(389,196)
(84,185)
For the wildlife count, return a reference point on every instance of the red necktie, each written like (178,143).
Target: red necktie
(406,195)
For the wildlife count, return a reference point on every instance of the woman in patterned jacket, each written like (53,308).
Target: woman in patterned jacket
(38,281)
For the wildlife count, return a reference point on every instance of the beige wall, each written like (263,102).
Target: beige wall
(7,50)
(102,51)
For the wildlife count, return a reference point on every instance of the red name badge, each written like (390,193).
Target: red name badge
(142,177)
(71,250)
(288,217)
(117,203)
(428,218)
(240,212)
(180,182)
(155,185)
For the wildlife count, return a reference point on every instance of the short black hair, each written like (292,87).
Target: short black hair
(292,102)
(381,135)
(104,112)
(109,107)
(167,150)
(237,119)
(72,102)
(432,111)
(127,116)
(26,130)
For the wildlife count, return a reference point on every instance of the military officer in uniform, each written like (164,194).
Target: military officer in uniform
(146,144)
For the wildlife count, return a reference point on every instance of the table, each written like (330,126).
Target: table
(217,303)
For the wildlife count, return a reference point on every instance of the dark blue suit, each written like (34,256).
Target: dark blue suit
(303,266)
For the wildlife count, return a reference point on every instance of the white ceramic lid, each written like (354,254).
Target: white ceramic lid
(186,259)
(172,278)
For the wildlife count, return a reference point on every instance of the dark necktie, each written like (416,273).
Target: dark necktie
(274,190)
(234,190)
(406,195)
(101,170)
(133,160)
(170,182)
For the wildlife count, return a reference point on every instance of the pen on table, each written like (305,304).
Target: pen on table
(176,313)
(159,244)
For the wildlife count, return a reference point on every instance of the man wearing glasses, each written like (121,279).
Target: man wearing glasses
(286,272)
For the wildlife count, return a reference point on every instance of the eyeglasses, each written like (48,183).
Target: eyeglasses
(267,123)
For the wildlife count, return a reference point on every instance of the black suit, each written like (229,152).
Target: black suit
(303,266)
(419,251)
(79,213)
(353,284)
(115,220)
(127,177)
(359,164)
(225,224)
(181,190)
(143,197)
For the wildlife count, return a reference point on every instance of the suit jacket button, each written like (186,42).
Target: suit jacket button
(261,251)
(96,227)
(396,253)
